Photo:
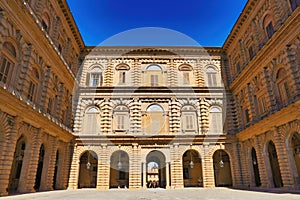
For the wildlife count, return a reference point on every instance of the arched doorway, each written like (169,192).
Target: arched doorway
(295,145)
(274,165)
(222,169)
(88,168)
(255,168)
(192,169)
(156,170)
(39,171)
(119,170)
(17,164)
(55,170)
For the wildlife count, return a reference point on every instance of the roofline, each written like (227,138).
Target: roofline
(241,19)
(72,23)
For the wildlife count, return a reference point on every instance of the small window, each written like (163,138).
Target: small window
(270,30)
(31,91)
(44,25)
(211,77)
(251,53)
(122,77)
(216,121)
(238,67)
(5,70)
(50,105)
(154,80)
(186,78)
(247,116)
(59,48)
(294,4)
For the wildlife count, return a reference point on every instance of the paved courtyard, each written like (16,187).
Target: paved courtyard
(157,194)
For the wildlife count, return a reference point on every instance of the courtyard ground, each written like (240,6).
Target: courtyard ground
(157,194)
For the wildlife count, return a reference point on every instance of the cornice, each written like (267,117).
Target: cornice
(72,23)
(239,23)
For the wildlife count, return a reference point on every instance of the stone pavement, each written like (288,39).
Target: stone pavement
(156,194)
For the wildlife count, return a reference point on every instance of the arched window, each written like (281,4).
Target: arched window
(154,121)
(154,75)
(91,122)
(294,4)
(282,87)
(268,26)
(215,121)
(8,60)
(121,119)
(185,73)
(122,73)
(189,119)
(33,85)
(211,77)
(45,22)
(94,77)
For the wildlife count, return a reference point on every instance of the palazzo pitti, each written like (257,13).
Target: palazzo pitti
(74,116)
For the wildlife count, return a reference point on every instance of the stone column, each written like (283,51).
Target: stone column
(144,175)
(176,167)
(74,170)
(261,162)
(208,168)
(167,175)
(30,163)
(135,168)
(49,165)
(7,152)
(284,166)
(103,169)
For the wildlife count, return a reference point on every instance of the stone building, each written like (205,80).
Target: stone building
(73,116)
(39,50)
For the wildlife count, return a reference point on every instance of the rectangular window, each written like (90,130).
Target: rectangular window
(238,67)
(262,106)
(216,123)
(212,79)
(95,80)
(31,90)
(44,25)
(122,78)
(247,117)
(4,71)
(120,122)
(189,122)
(270,30)
(186,78)
(251,53)
(50,104)
(154,80)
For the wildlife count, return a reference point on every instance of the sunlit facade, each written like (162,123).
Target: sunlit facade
(73,116)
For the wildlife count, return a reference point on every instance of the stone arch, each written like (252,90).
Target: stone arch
(222,168)
(185,67)
(88,169)
(119,169)
(255,168)
(192,168)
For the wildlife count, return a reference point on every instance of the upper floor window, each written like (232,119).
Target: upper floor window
(282,87)
(211,76)
(154,120)
(8,61)
(154,75)
(45,23)
(94,77)
(34,82)
(189,119)
(268,26)
(185,74)
(251,52)
(91,121)
(294,4)
(123,71)
(215,120)
(121,118)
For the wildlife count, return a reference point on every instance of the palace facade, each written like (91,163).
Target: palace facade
(73,116)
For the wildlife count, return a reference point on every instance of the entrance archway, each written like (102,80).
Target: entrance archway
(192,169)
(119,170)
(255,168)
(88,168)
(156,170)
(222,169)
(39,171)
(274,165)
(17,164)
(295,145)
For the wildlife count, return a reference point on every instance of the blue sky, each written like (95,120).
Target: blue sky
(207,22)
